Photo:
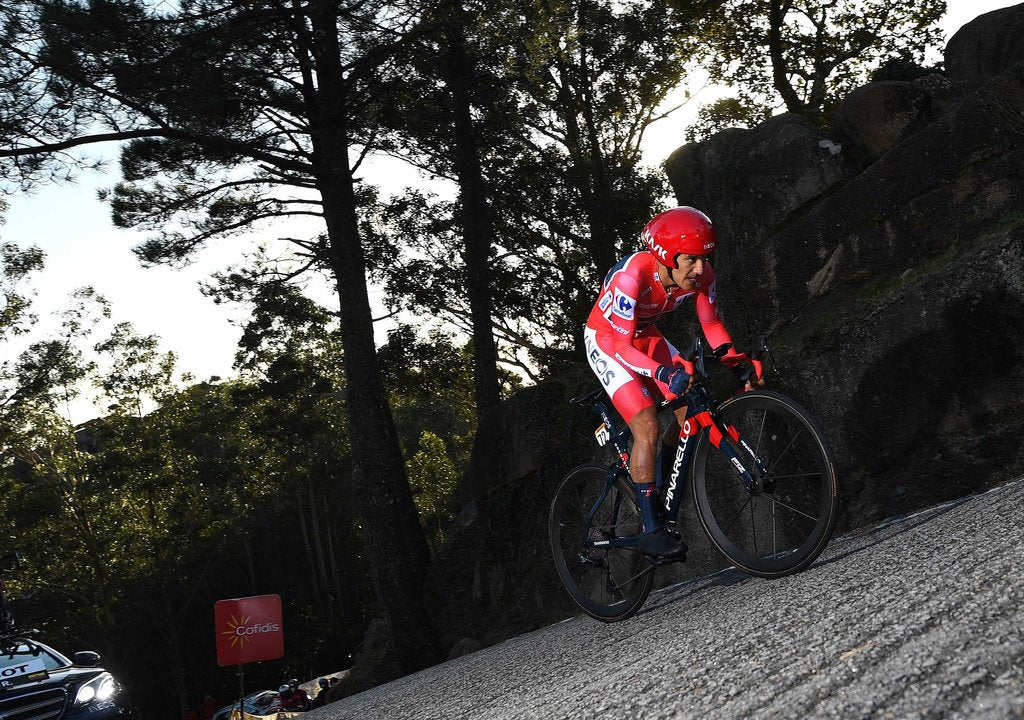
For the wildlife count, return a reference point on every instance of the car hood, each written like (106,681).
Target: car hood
(63,677)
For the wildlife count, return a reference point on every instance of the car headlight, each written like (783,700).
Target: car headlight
(100,688)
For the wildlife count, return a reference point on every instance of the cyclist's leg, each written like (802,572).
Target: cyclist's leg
(634,396)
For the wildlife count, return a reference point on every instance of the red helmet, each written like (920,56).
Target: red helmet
(681,230)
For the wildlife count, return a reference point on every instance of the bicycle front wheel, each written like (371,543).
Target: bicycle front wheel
(607,583)
(784,528)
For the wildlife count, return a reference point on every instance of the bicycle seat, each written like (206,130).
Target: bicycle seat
(588,398)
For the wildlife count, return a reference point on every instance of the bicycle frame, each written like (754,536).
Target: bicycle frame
(700,416)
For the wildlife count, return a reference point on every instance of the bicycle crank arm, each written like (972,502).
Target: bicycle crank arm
(618,542)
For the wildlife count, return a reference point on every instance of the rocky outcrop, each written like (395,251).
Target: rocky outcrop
(880,115)
(987,46)
(887,259)
(893,294)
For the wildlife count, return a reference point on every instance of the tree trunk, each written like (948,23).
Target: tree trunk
(477,230)
(320,567)
(780,71)
(313,579)
(396,548)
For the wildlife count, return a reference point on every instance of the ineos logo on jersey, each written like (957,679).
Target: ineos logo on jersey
(600,365)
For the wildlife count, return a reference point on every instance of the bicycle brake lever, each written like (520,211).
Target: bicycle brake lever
(698,357)
(764,352)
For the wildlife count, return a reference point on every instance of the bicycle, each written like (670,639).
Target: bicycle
(760,467)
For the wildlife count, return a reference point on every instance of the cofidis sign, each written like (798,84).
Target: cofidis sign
(249,629)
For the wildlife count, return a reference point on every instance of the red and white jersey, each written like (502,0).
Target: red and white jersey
(632,299)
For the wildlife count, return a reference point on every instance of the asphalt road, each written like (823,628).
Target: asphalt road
(921,617)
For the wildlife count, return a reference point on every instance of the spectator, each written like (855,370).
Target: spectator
(293,697)
(207,708)
(321,693)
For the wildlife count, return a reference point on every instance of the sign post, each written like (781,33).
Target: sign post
(248,629)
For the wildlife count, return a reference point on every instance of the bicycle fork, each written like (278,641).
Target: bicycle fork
(728,441)
(737,450)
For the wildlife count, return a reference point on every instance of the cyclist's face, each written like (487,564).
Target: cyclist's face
(688,270)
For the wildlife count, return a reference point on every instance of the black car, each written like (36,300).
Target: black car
(38,683)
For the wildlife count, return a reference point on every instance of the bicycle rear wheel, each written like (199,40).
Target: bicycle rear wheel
(607,583)
(783,529)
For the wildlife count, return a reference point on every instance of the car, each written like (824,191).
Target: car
(257,703)
(37,681)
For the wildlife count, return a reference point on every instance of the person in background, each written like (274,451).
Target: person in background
(293,697)
(321,694)
(207,708)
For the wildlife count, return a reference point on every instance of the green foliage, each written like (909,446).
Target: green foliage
(16,265)
(138,371)
(433,478)
(562,94)
(899,68)
(806,55)
(724,113)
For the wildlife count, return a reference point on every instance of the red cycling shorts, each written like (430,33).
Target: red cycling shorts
(629,390)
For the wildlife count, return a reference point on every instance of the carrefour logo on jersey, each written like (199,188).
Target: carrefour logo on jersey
(624,306)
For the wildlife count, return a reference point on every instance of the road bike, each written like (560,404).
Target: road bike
(763,484)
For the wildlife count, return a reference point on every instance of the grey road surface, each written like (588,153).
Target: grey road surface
(920,617)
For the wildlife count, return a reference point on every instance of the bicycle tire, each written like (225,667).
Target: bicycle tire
(609,584)
(798,505)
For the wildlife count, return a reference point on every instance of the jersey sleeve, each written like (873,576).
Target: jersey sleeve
(710,322)
(618,303)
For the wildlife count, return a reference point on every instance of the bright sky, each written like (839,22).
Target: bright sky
(82,248)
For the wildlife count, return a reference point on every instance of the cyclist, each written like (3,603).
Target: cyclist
(637,365)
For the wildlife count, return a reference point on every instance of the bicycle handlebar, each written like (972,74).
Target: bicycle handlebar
(701,358)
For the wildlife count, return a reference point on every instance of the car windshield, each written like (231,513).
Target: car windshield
(261,700)
(30,657)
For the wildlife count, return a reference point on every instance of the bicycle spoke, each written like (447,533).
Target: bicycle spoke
(722,488)
(795,475)
(760,433)
(736,516)
(631,579)
(753,528)
(775,546)
(790,507)
(786,450)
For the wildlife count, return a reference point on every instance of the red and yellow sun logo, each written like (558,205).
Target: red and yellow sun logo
(237,638)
